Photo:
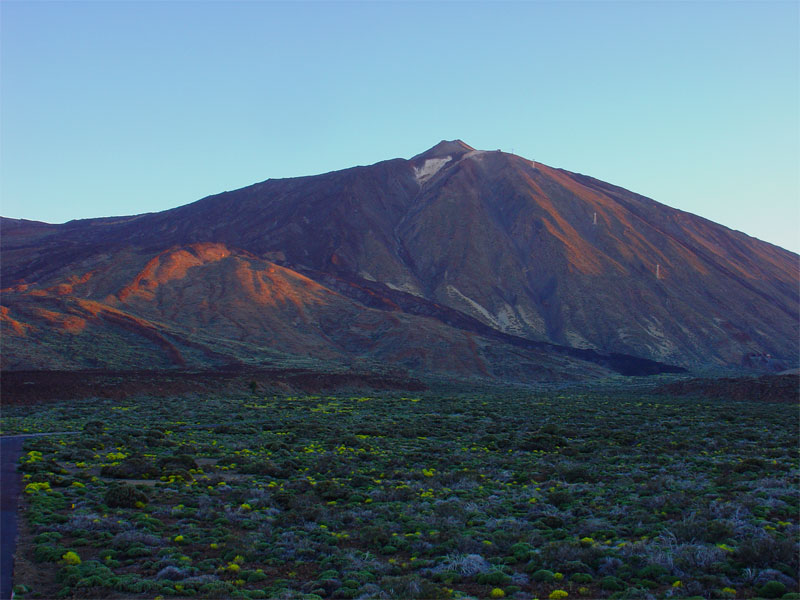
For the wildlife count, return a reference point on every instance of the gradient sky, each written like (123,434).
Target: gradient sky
(110,108)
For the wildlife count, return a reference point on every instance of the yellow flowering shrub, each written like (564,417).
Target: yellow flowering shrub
(39,486)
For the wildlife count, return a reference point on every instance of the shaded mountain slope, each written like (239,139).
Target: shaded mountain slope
(485,243)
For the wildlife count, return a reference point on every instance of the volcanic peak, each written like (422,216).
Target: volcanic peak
(445,148)
(451,245)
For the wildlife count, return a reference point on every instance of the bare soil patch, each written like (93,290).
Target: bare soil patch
(767,388)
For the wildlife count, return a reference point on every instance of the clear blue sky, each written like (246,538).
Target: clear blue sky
(110,108)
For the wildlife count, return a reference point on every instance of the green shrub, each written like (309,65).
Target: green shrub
(612,584)
(652,572)
(574,566)
(552,521)
(182,462)
(124,496)
(90,573)
(132,468)
(218,589)
(751,464)
(264,467)
(47,536)
(559,497)
(48,552)
(329,574)
(330,490)
(772,589)
(521,551)
(94,427)
(373,535)
(541,442)
(493,578)
(578,474)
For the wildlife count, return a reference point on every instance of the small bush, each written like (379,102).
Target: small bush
(772,589)
(87,574)
(47,553)
(578,474)
(652,572)
(559,497)
(134,468)
(521,551)
(124,496)
(178,462)
(493,578)
(612,584)
(94,427)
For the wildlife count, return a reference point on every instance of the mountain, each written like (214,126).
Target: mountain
(457,260)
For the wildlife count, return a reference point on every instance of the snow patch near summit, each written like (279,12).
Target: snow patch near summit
(475,154)
(430,168)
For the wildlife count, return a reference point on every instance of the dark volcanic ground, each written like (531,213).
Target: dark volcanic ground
(767,388)
(29,387)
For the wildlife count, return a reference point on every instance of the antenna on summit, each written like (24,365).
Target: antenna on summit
(594,221)
(658,271)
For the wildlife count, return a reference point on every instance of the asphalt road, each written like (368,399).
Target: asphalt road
(10,488)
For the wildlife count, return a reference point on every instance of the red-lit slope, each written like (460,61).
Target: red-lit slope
(205,305)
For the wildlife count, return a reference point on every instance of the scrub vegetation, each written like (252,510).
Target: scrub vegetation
(614,495)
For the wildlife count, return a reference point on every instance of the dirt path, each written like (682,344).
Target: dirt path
(10,488)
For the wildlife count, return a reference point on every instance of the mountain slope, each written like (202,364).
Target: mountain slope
(481,243)
(204,305)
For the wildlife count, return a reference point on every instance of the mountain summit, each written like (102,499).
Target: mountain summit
(456,260)
(455,148)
